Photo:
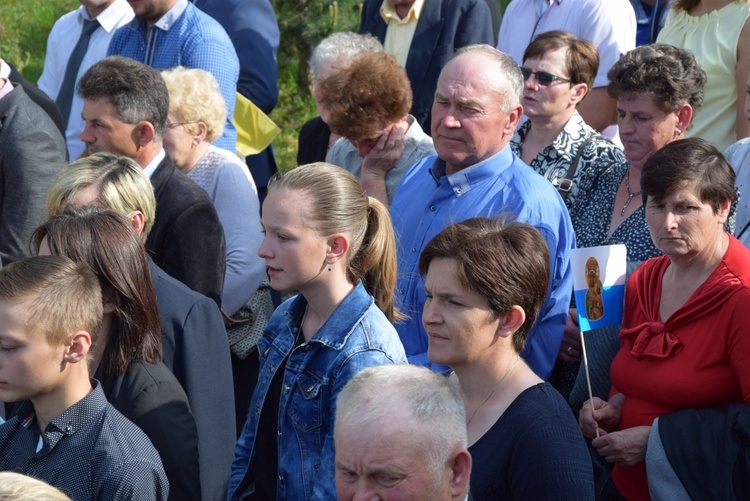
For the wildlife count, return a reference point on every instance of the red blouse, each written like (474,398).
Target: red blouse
(699,357)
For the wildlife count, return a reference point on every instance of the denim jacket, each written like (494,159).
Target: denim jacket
(356,336)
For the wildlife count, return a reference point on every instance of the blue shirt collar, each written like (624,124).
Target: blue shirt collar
(167,20)
(461,182)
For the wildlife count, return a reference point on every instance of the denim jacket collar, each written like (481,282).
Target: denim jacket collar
(336,329)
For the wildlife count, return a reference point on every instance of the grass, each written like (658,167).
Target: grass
(27,24)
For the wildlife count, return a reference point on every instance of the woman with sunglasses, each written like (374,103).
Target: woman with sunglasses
(558,71)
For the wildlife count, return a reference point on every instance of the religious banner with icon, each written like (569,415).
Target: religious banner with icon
(599,284)
(599,276)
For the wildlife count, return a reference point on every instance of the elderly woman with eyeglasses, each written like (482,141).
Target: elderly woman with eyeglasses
(195,120)
(558,70)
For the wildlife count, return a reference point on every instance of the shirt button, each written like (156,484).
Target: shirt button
(401,291)
(433,208)
(271,368)
(279,433)
(458,190)
(286,389)
(281,479)
(414,249)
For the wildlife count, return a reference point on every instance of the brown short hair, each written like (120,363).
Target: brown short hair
(671,76)
(370,92)
(136,91)
(505,262)
(106,241)
(581,60)
(63,296)
(686,162)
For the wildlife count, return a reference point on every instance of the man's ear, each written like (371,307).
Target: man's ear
(77,347)
(460,474)
(513,117)
(145,132)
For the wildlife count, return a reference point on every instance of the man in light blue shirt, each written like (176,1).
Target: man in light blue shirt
(169,33)
(474,115)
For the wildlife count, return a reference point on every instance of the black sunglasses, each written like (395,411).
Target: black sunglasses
(542,77)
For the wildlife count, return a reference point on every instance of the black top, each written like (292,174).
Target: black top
(90,451)
(535,450)
(313,141)
(151,397)
(266,445)
(196,350)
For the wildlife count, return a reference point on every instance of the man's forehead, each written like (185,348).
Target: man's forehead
(99,107)
(470,76)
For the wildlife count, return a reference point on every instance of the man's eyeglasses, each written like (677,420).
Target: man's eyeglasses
(542,77)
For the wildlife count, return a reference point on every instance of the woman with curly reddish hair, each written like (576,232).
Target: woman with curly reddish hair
(368,103)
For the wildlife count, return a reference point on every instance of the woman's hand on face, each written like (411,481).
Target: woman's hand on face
(625,447)
(570,347)
(384,155)
(604,416)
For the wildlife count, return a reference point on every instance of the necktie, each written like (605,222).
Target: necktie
(65,96)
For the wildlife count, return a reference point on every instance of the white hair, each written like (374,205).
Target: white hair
(509,77)
(432,401)
(341,47)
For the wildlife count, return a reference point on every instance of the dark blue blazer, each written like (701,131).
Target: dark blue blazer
(196,350)
(443,27)
(187,240)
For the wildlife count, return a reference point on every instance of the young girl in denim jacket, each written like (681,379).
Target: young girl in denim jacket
(326,239)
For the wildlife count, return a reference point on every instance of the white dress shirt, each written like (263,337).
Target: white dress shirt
(60,44)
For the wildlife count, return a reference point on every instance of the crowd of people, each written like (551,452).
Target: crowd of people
(427,345)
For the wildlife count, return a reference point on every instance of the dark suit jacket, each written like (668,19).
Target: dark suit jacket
(313,141)
(443,27)
(31,154)
(196,350)
(187,240)
(151,397)
(40,98)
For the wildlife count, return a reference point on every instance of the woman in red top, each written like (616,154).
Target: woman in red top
(684,339)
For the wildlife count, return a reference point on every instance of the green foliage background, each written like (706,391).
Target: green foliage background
(303,23)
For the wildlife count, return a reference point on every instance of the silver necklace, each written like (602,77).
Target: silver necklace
(630,193)
(499,383)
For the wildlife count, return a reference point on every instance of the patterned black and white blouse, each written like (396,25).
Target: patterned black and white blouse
(554,161)
(591,215)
